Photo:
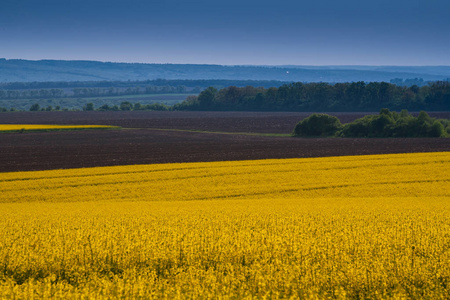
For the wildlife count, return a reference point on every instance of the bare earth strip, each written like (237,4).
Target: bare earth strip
(259,122)
(73,149)
(59,150)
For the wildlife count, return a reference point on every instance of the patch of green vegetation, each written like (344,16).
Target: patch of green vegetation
(318,125)
(385,124)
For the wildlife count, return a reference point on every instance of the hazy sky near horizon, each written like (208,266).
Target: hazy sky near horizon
(232,32)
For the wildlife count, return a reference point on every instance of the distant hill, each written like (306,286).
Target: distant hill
(17,70)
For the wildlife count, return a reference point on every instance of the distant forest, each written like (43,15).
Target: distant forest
(355,96)
(39,90)
(77,95)
(244,95)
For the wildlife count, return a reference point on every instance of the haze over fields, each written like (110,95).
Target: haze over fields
(58,70)
(245,32)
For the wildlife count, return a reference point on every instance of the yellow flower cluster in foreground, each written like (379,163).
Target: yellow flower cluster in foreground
(34,127)
(341,227)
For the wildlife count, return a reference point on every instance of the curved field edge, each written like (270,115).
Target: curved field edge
(393,175)
(5,128)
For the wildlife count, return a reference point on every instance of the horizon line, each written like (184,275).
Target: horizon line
(217,64)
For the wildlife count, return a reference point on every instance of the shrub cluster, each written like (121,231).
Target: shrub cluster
(318,125)
(385,124)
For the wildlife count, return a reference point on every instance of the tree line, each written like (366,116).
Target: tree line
(85,92)
(42,90)
(124,106)
(314,97)
(354,96)
(385,124)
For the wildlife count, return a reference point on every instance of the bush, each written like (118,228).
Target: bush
(358,128)
(156,106)
(126,106)
(437,130)
(318,125)
(371,126)
(137,106)
(392,124)
(89,106)
(385,124)
(35,107)
(104,107)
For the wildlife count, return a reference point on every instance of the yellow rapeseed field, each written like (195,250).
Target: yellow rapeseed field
(356,227)
(35,127)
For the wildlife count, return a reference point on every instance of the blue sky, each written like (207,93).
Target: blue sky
(320,32)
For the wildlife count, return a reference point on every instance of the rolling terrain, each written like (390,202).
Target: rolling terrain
(16,70)
(168,137)
(353,227)
(168,207)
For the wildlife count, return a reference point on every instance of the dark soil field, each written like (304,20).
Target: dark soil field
(140,144)
(258,122)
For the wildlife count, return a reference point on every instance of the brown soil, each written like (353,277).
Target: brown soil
(259,122)
(74,149)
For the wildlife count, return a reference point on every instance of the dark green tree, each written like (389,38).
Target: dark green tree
(206,98)
(35,107)
(89,106)
(126,106)
(318,125)
(104,107)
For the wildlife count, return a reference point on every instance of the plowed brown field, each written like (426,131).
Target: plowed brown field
(140,144)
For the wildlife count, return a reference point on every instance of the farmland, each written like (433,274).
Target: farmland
(337,227)
(254,122)
(140,143)
(167,207)
(351,176)
(32,127)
